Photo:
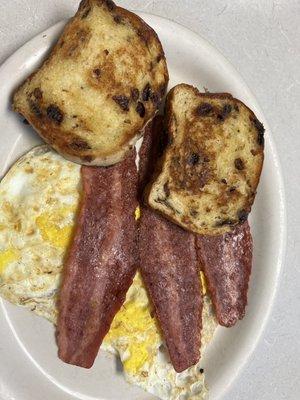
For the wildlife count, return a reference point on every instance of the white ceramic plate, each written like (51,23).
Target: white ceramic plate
(29,367)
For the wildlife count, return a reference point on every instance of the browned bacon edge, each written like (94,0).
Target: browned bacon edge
(226,261)
(101,263)
(169,267)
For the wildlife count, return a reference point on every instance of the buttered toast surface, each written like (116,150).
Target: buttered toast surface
(101,84)
(207,178)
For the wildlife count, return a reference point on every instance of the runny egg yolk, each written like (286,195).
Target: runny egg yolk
(134,326)
(8,256)
(48,224)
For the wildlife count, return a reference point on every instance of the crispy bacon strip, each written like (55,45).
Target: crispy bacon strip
(168,263)
(226,261)
(101,263)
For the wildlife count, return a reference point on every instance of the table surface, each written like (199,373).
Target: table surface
(262,40)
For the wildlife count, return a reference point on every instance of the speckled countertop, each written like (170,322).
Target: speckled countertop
(262,40)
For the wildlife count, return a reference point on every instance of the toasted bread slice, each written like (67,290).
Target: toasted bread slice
(211,167)
(101,84)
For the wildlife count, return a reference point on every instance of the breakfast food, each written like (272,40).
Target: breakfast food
(101,262)
(40,197)
(102,83)
(170,270)
(40,201)
(80,246)
(226,261)
(206,181)
(135,335)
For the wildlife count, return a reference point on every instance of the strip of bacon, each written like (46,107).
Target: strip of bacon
(102,261)
(169,267)
(226,261)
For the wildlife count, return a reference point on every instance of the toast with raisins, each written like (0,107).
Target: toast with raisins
(102,83)
(207,178)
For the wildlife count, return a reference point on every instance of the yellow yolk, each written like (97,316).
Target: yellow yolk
(137,213)
(136,328)
(138,356)
(7,257)
(203,283)
(50,230)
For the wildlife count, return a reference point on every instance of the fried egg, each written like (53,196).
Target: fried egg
(39,198)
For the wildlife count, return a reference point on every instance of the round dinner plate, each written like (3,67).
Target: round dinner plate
(29,366)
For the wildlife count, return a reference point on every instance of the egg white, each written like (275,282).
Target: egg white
(39,198)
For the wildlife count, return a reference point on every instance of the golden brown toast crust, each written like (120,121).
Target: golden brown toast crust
(102,83)
(206,181)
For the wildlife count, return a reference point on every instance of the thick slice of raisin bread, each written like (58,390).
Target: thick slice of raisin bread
(101,84)
(207,178)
